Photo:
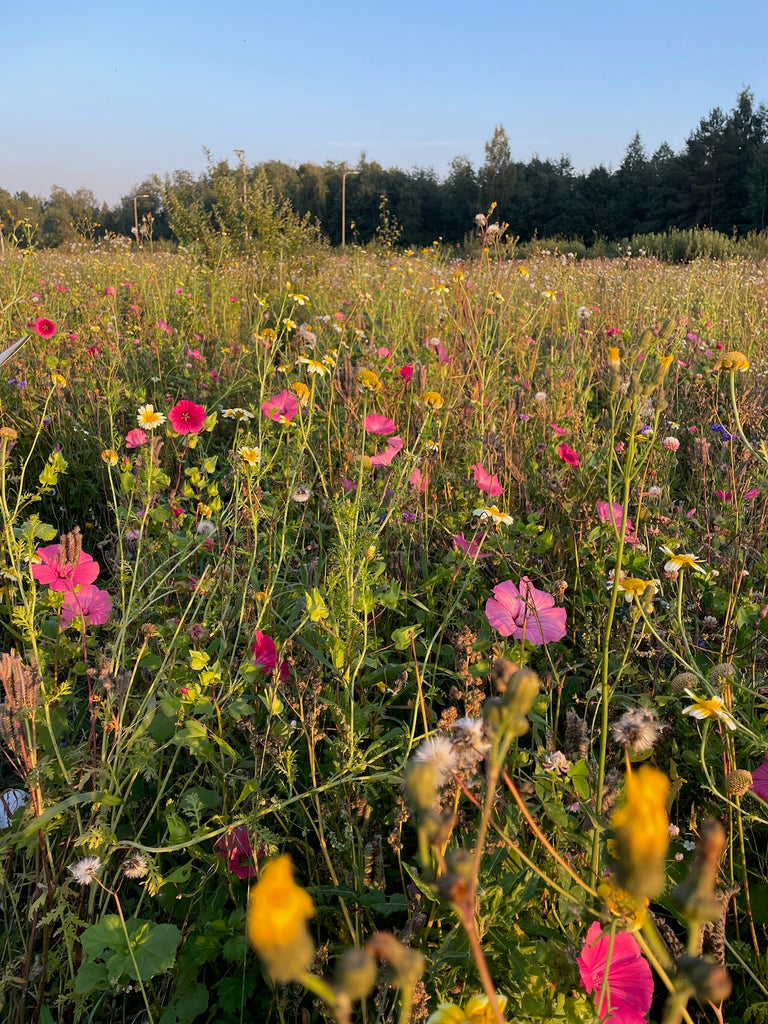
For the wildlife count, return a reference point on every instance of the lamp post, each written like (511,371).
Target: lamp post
(136,216)
(344,205)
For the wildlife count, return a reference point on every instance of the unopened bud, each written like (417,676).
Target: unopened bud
(407,964)
(501,673)
(738,782)
(356,974)
(722,674)
(710,981)
(420,785)
(684,681)
(522,691)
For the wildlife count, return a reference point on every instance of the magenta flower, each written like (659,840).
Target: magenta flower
(629,989)
(614,513)
(525,613)
(265,655)
(44,328)
(394,444)
(187,417)
(88,605)
(235,847)
(568,455)
(163,326)
(760,781)
(558,430)
(486,482)
(281,408)
(376,424)
(62,576)
(469,547)
(136,438)
(406,372)
(110,290)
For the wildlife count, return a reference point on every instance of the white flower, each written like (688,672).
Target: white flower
(491,512)
(439,753)
(540,396)
(302,494)
(85,871)
(205,528)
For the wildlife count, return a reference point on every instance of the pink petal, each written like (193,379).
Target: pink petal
(394,444)
(377,424)
(486,482)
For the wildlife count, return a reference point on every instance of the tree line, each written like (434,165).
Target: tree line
(719,180)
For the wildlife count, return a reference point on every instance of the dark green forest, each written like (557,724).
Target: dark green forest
(718,181)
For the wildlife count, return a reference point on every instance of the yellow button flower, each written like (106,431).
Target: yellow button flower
(732,361)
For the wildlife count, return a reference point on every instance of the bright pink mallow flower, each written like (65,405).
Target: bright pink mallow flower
(525,613)
(760,781)
(136,438)
(471,548)
(235,847)
(486,482)
(265,655)
(88,604)
(44,328)
(568,455)
(376,424)
(629,988)
(63,576)
(613,513)
(281,408)
(187,417)
(394,445)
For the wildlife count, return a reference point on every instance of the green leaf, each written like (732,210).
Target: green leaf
(401,638)
(317,609)
(193,735)
(91,978)
(187,1005)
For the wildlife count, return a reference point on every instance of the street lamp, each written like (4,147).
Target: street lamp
(136,216)
(344,205)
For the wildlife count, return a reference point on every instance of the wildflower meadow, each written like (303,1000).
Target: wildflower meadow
(383,637)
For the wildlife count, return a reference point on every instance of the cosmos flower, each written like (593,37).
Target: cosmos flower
(628,991)
(187,417)
(525,613)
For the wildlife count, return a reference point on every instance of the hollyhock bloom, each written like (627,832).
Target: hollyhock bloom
(525,613)
(469,547)
(136,438)
(568,455)
(60,575)
(614,513)
(235,847)
(394,445)
(760,781)
(629,988)
(376,424)
(486,482)
(281,408)
(88,604)
(44,328)
(265,655)
(187,417)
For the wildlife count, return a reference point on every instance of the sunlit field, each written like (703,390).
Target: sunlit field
(383,638)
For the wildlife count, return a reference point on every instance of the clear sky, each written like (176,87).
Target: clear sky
(99,95)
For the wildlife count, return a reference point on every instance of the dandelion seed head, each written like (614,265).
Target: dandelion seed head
(438,752)
(86,870)
(637,730)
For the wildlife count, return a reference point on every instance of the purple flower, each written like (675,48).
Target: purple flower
(235,847)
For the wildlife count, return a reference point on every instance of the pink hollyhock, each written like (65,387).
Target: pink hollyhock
(486,482)
(760,781)
(89,604)
(613,513)
(347,484)
(281,408)
(394,444)
(469,547)
(419,479)
(376,424)
(265,655)
(525,613)
(235,847)
(629,988)
(568,455)
(63,576)
(136,438)
(187,417)
(44,328)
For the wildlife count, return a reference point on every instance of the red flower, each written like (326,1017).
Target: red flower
(44,328)
(568,455)
(236,848)
(265,655)
(187,417)
(62,576)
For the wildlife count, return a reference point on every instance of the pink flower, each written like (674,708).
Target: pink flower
(265,655)
(187,417)
(136,438)
(88,604)
(568,455)
(614,513)
(629,989)
(347,484)
(486,482)
(235,847)
(558,430)
(406,372)
(163,326)
(394,444)
(760,781)
(281,408)
(376,424)
(110,290)
(469,547)
(383,352)
(62,576)
(525,613)
(419,479)
(44,328)
(194,353)
(751,494)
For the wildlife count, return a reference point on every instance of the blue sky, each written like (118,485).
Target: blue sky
(98,95)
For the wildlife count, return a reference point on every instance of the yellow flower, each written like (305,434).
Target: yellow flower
(523,271)
(732,361)
(678,561)
(492,512)
(621,903)
(477,1010)
(633,587)
(313,365)
(368,381)
(110,456)
(268,334)
(290,325)
(641,832)
(276,921)
(301,391)
(709,707)
(614,359)
(148,418)
(432,400)
(250,455)
(549,294)
(58,380)
(299,299)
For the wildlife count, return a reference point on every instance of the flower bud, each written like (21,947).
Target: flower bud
(522,690)
(738,782)
(710,981)
(356,974)
(420,785)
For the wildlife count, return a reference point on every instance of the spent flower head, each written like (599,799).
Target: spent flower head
(86,870)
